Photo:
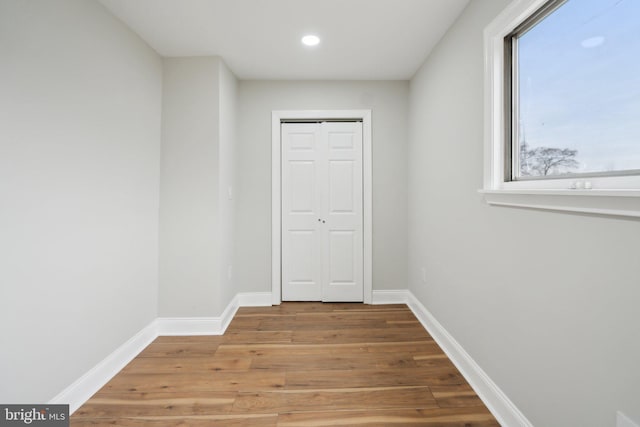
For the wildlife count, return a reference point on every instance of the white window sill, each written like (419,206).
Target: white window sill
(625,203)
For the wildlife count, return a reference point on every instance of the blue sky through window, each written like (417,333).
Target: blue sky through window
(579,84)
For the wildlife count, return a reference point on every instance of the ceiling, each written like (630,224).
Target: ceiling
(260,39)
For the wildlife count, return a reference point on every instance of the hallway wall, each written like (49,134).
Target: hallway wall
(545,302)
(80,111)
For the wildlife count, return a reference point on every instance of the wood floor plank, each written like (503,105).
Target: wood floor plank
(169,365)
(252,322)
(321,362)
(415,348)
(173,349)
(372,378)
(456,396)
(258,337)
(301,324)
(112,405)
(287,401)
(426,347)
(362,335)
(178,382)
(434,361)
(257,420)
(388,314)
(355,307)
(292,350)
(447,417)
(244,323)
(297,364)
(287,308)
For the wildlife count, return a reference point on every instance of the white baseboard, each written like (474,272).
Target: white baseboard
(88,384)
(227,315)
(254,299)
(501,407)
(395,296)
(212,325)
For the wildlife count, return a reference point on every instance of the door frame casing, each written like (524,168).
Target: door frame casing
(277,117)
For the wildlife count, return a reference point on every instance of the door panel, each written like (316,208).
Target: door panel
(301,242)
(322,219)
(302,140)
(341,257)
(341,140)
(303,271)
(341,182)
(302,186)
(344,253)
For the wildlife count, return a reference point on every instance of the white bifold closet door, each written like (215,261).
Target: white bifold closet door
(322,214)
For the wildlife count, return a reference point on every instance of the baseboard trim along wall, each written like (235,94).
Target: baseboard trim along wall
(211,325)
(399,296)
(498,403)
(86,386)
(255,299)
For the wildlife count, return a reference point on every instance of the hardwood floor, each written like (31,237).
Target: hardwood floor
(297,364)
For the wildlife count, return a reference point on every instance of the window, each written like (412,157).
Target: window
(563,104)
(574,74)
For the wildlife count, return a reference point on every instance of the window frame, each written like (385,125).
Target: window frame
(613,194)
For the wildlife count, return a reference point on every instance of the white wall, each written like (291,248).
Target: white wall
(546,303)
(80,99)
(189,194)
(388,102)
(198,168)
(228,85)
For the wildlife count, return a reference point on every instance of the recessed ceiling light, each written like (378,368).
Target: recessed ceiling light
(311,40)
